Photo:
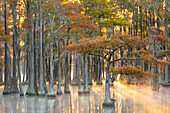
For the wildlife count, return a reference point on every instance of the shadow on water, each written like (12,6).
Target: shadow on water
(130,99)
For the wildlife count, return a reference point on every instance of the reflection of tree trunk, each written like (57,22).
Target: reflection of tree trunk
(7,103)
(51,103)
(42,106)
(80,104)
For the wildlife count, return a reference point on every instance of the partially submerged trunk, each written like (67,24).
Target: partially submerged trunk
(59,71)
(51,91)
(80,90)
(30,90)
(6,88)
(14,88)
(74,81)
(86,90)
(107,100)
(41,84)
(66,86)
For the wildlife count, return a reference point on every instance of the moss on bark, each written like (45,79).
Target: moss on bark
(59,91)
(66,91)
(41,93)
(6,91)
(108,102)
(30,92)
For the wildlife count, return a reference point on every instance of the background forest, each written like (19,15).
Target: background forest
(81,42)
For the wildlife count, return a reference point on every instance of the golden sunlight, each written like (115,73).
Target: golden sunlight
(2,86)
(74,1)
(117,83)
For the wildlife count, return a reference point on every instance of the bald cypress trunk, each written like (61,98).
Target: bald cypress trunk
(78,74)
(107,100)
(30,90)
(36,54)
(41,85)
(6,88)
(59,70)
(74,81)
(66,85)
(51,91)
(167,46)
(1,66)
(86,90)
(14,88)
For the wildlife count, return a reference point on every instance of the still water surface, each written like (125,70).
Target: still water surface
(129,99)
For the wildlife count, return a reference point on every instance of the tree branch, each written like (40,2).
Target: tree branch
(61,27)
(124,59)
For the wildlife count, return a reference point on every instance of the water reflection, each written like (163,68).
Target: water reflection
(129,99)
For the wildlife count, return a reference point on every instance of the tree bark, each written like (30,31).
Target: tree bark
(86,90)
(78,73)
(14,88)
(41,85)
(66,86)
(59,71)
(107,100)
(30,90)
(6,88)
(51,91)
(167,46)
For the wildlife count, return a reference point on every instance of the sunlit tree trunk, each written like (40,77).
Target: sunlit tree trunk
(19,69)
(74,81)
(14,88)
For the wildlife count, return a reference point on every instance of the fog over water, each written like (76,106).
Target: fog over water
(129,99)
